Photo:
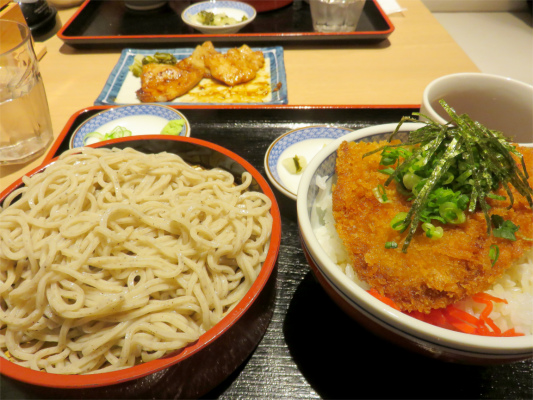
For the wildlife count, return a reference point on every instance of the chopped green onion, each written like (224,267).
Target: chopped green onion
(451,169)
(494,253)
(391,245)
(99,137)
(447,178)
(117,132)
(410,180)
(451,213)
(381,194)
(397,223)
(432,231)
(386,171)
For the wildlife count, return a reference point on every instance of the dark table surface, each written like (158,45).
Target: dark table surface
(311,349)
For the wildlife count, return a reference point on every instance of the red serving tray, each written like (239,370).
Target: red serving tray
(111,23)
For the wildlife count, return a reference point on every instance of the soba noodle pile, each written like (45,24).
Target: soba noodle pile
(114,257)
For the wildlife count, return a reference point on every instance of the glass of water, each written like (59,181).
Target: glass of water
(336,15)
(25,126)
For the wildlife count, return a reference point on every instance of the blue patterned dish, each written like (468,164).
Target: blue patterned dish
(140,119)
(306,142)
(233,9)
(121,86)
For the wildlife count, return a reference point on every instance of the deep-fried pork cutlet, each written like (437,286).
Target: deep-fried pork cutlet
(433,273)
(236,66)
(163,82)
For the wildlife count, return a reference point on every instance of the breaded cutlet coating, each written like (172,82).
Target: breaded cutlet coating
(433,273)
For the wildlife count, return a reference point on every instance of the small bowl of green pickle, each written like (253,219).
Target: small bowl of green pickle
(219,17)
(131,120)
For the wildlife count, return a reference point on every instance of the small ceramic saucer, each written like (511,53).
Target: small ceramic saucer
(303,142)
(141,119)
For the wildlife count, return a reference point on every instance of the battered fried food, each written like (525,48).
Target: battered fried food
(236,66)
(163,82)
(433,273)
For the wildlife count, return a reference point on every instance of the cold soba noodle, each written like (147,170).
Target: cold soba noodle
(115,257)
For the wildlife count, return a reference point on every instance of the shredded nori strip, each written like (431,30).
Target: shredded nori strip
(488,154)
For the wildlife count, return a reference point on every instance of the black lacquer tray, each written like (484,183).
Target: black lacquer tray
(109,24)
(311,349)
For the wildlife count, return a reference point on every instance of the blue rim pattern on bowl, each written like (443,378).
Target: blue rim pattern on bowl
(196,8)
(278,78)
(298,135)
(93,123)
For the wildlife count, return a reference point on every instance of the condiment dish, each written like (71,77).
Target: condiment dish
(138,119)
(243,13)
(303,142)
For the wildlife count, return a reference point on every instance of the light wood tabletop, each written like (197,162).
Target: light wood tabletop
(392,72)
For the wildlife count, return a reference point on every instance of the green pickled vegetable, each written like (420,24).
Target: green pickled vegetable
(209,18)
(205,18)
(159,58)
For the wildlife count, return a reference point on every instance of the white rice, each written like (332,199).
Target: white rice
(515,285)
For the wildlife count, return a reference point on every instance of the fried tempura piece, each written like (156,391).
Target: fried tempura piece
(433,273)
(238,65)
(163,82)
(198,58)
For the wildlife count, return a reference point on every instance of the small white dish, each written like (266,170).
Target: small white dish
(305,142)
(140,119)
(233,9)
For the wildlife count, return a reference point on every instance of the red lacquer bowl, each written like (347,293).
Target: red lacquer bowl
(199,367)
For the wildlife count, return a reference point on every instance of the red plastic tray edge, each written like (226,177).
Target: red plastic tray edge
(257,36)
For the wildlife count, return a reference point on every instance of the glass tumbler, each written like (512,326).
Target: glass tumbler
(25,125)
(336,15)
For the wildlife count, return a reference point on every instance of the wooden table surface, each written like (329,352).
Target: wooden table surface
(392,72)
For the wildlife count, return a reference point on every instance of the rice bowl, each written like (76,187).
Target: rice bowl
(352,295)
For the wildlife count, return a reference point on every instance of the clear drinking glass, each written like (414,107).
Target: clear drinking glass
(336,15)
(25,125)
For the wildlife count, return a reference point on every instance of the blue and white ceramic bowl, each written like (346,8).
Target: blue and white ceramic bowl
(304,142)
(378,317)
(233,9)
(140,119)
